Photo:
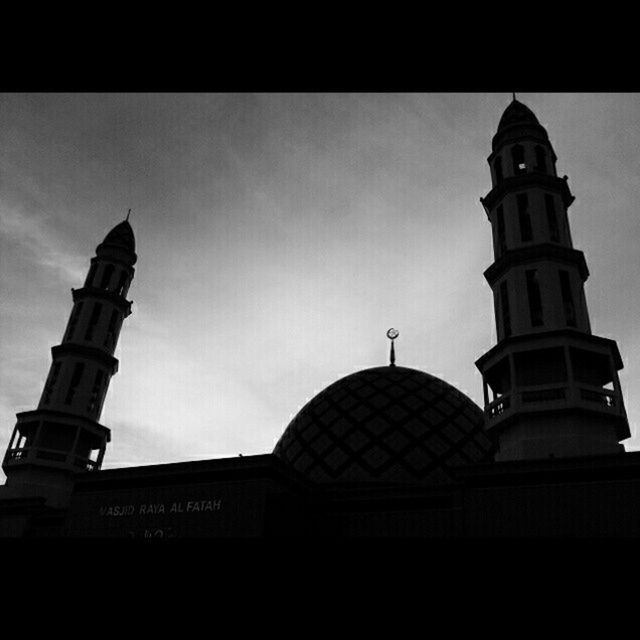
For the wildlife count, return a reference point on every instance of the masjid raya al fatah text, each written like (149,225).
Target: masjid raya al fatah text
(384,452)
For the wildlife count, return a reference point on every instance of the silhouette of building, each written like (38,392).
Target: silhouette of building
(555,386)
(387,451)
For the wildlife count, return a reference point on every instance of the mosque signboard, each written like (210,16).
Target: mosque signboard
(218,509)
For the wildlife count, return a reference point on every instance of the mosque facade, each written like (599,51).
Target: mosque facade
(383,452)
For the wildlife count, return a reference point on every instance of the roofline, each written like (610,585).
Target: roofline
(251,466)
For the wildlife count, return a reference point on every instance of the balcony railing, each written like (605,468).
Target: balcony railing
(544,395)
(606,398)
(499,406)
(25,454)
(595,398)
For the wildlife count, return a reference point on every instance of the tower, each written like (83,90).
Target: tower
(63,435)
(554,385)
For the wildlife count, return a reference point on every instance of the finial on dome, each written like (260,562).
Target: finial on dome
(514,95)
(392,334)
(128,214)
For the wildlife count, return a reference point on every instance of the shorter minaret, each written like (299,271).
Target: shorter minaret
(63,436)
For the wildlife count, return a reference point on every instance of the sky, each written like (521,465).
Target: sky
(279,236)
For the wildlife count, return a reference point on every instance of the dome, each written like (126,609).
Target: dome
(121,236)
(385,424)
(517,113)
(517,119)
(120,239)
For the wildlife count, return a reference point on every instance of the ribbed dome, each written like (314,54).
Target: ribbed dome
(517,113)
(386,424)
(122,236)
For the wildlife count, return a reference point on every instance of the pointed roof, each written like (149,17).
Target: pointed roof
(121,236)
(517,113)
(516,117)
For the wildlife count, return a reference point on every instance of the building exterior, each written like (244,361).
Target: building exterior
(384,452)
(555,385)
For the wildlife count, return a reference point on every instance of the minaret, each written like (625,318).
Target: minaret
(554,385)
(63,436)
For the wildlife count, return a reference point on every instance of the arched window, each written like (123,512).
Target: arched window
(93,321)
(75,381)
(112,330)
(526,234)
(552,220)
(121,283)
(91,275)
(502,237)
(94,398)
(535,299)
(504,307)
(567,299)
(75,314)
(541,159)
(106,276)
(497,168)
(517,153)
(52,383)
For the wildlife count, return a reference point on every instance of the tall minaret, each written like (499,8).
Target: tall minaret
(63,436)
(554,385)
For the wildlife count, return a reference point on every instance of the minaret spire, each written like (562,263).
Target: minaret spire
(555,386)
(63,436)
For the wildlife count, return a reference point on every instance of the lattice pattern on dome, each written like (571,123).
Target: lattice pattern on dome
(390,424)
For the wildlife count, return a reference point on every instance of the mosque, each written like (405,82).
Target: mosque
(384,452)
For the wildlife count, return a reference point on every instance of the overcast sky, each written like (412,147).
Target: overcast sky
(279,236)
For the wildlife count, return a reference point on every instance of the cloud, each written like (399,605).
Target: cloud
(40,242)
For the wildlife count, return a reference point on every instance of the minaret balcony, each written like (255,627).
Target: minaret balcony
(57,440)
(103,294)
(525,181)
(85,352)
(534,253)
(53,458)
(553,397)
